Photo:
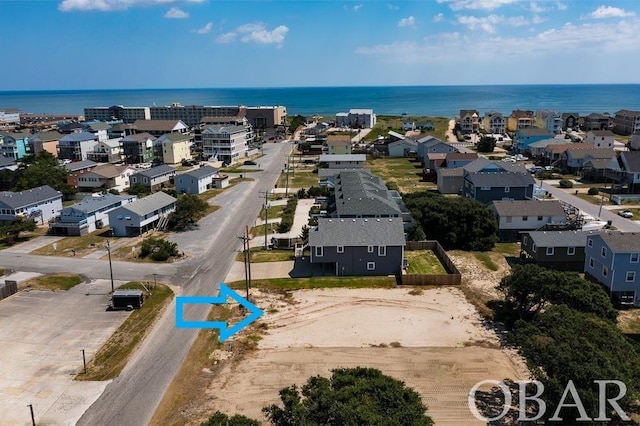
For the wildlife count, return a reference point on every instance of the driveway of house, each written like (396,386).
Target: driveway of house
(33,244)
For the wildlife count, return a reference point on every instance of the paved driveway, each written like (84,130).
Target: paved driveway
(42,334)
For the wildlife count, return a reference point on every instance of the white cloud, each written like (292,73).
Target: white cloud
(609,12)
(110,5)
(455,47)
(407,22)
(226,38)
(486,23)
(257,32)
(392,6)
(536,8)
(176,13)
(439,17)
(476,4)
(204,30)
(561,6)
(357,7)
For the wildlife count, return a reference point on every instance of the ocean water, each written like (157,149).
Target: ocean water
(444,101)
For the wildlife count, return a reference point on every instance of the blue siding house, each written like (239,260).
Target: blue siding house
(525,137)
(14,145)
(613,260)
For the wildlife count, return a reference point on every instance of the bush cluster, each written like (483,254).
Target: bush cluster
(565,183)
(287,216)
(593,191)
(158,249)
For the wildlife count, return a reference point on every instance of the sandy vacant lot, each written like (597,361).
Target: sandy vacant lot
(434,341)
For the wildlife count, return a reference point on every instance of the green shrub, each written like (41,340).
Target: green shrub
(566,183)
(593,191)
(158,249)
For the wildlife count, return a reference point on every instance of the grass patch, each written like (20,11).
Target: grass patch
(486,260)
(52,282)
(384,123)
(424,262)
(478,299)
(25,236)
(403,172)
(301,179)
(82,245)
(112,357)
(273,212)
(507,249)
(594,199)
(634,210)
(237,169)
(258,231)
(318,282)
(204,196)
(260,255)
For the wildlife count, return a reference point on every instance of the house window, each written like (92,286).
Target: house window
(549,251)
(525,240)
(507,189)
(635,257)
(382,251)
(631,276)
(590,242)
(370,249)
(525,218)
(340,249)
(318,251)
(603,252)
(571,251)
(534,248)
(371,266)
(539,218)
(605,271)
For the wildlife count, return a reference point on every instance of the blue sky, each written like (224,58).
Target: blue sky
(93,44)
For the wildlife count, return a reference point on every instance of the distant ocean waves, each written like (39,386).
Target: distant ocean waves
(444,101)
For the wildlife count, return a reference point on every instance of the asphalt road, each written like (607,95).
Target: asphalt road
(622,224)
(132,398)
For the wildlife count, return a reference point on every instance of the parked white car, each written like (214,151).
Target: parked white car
(625,213)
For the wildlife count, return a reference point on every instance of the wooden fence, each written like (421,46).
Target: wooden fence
(453,276)
(8,288)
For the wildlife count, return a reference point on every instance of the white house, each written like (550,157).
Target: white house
(515,216)
(141,215)
(200,180)
(600,138)
(226,143)
(89,215)
(41,204)
(106,177)
(356,118)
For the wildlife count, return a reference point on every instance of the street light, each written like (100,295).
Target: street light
(110,265)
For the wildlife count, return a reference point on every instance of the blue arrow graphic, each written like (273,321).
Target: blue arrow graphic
(221,299)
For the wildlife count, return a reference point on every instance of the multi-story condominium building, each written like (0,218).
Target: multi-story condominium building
(549,120)
(469,121)
(613,260)
(138,148)
(626,122)
(570,120)
(494,122)
(356,118)
(263,117)
(117,112)
(9,116)
(226,143)
(175,147)
(14,145)
(595,121)
(76,146)
(519,120)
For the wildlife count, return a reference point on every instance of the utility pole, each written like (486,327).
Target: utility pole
(286,170)
(266,217)
(245,243)
(110,265)
(248,237)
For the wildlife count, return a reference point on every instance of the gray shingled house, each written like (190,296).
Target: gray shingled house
(141,215)
(563,250)
(153,178)
(363,246)
(200,180)
(41,204)
(515,216)
(90,214)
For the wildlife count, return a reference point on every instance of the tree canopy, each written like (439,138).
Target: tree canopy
(563,344)
(11,232)
(42,169)
(529,289)
(221,419)
(457,223)
(486,144)
(352,396)
(189,209)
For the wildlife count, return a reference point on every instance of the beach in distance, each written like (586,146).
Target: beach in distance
(445,101)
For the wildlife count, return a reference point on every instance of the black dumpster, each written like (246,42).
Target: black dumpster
(127,299)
